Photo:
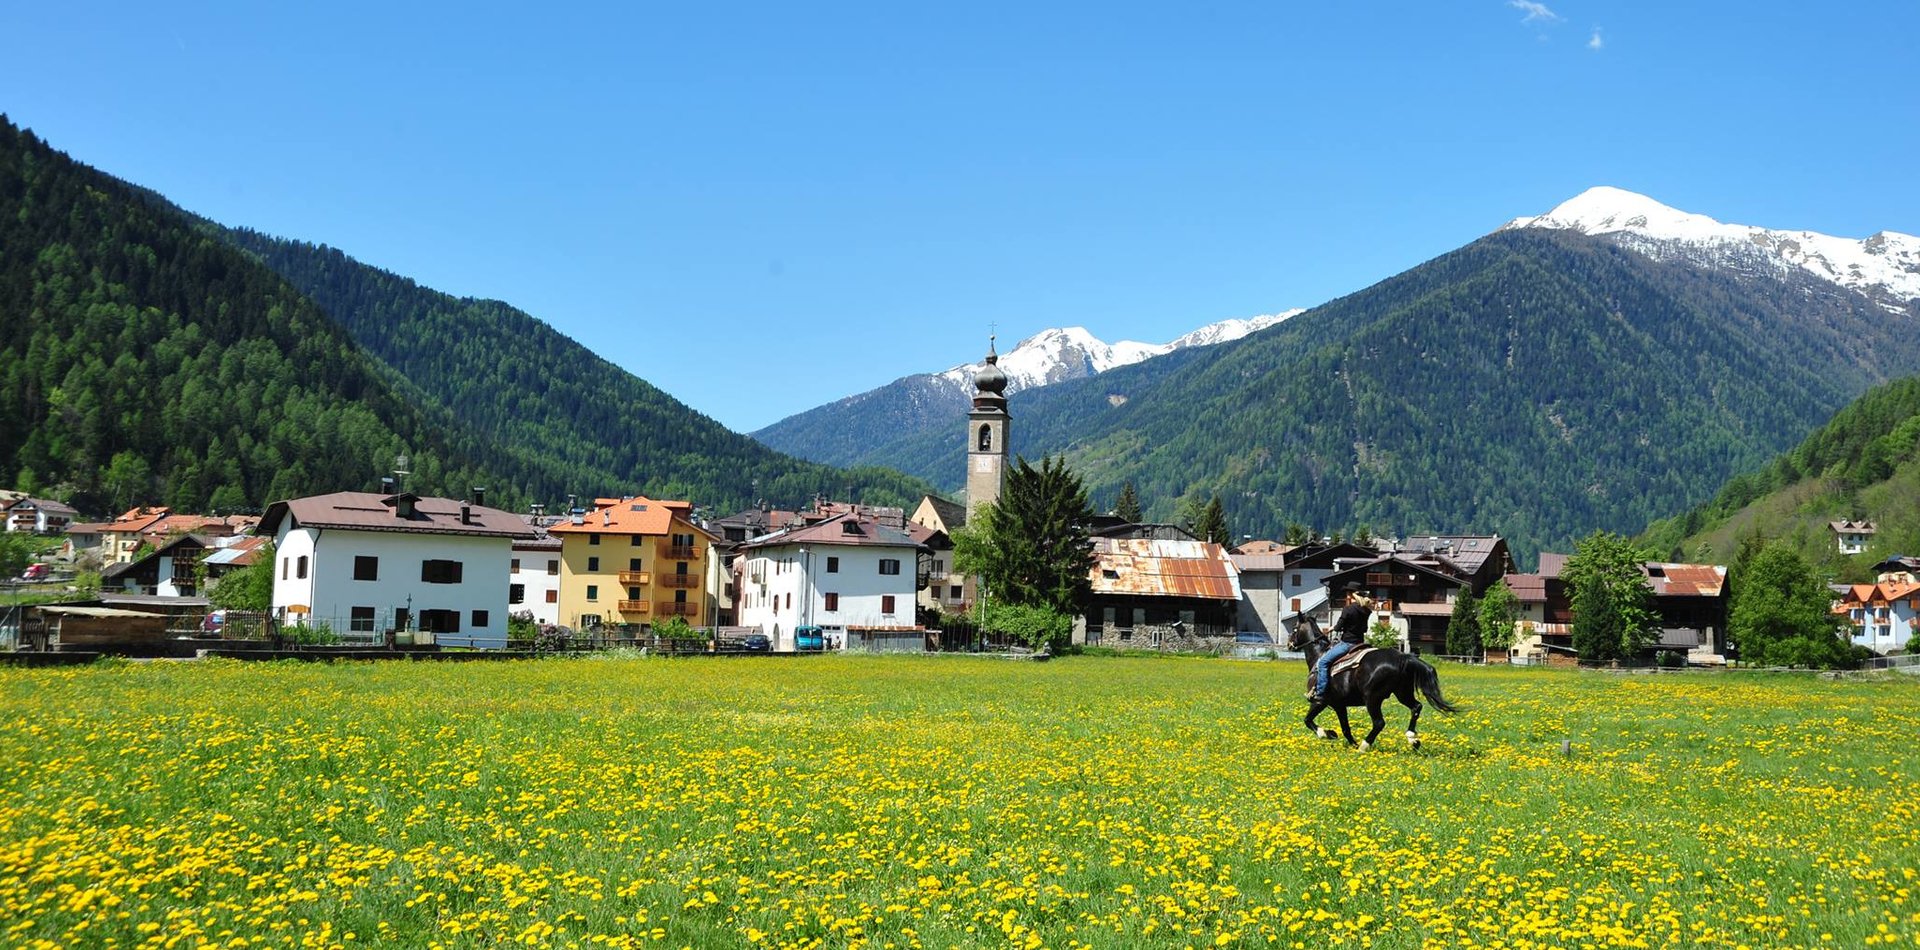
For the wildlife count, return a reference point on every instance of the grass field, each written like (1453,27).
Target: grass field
(908,802)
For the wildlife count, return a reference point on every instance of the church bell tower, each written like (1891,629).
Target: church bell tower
(987,435)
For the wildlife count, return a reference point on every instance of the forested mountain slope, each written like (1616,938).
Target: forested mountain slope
(550,402)
(1539,384)
(148,358)
(146,361)
(1864,464)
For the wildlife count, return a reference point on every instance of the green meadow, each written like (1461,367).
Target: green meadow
(945,802)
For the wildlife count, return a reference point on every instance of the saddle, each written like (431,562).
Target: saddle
(1349,660)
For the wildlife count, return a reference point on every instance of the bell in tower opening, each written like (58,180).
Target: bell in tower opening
(987,434)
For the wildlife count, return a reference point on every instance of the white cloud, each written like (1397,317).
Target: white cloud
(1595,42)
(1535,12)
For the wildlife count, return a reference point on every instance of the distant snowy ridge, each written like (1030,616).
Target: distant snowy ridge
(1063,353)
(1886,263)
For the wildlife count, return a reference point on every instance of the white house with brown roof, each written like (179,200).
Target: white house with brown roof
(1852,536)
(849,575)
(38,516)
(365,563)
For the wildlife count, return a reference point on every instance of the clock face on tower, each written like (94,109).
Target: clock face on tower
(985,463)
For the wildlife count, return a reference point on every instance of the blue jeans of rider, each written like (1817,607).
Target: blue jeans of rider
(1326,662)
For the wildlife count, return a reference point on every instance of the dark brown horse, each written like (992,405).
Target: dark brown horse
(1380,674)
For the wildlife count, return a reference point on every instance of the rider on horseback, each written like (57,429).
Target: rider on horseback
(1352,628)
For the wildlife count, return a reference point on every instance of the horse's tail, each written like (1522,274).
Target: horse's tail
(1430,685)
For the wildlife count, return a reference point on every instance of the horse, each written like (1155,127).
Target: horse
(1382,673)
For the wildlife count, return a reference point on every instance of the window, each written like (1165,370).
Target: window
(514,567)
(939,566)
(479,619)
(366,568)
(300,567)
(362,621)
(635,539)
(1296,580)
(833,602)
(553,597)
(986,438)
(680,568)
(593,591)
(593,539)
(283,567)
(886,603)
(953,593)
(516,593)
(680,596)
(439,572)
(889,565)
(789,600)
(553,567)
(593,565)
(633,564)
(440,621)
(633,593)
(833,565)
(683,540)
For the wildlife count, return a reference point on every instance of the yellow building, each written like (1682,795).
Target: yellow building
(632,561)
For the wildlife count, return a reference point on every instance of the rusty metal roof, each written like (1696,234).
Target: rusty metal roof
(1685,580)
(1163,568)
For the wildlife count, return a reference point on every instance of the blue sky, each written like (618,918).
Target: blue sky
(762,208)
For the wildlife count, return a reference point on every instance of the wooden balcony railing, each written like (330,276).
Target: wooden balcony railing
(678,552)
(636,578)
(680,581)
(633,606)
(679,610)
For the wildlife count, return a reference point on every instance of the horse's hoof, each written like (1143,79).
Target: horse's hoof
(1365,745)
(1413,738)
(1328,734)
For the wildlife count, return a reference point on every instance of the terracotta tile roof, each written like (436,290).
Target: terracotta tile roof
(1874,595)
(1163,568)
(636,515)
(372,511)
(1262,547)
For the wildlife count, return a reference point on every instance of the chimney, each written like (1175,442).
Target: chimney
(539,510)
(386,484)
(479,495)
(466,514)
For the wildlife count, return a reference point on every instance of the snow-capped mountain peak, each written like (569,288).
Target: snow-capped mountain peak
(1064,353)
(1886,263)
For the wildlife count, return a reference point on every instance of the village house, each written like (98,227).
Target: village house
(38,516)
(1852,536)
(948,590)
(633,562)
(533,582)
(1415,586)
(1899,567)
(1545,625)
(1691,601)
(850,576)
(365,563)
(1156,583)
(169,570)
(1279,583)
(1883,614)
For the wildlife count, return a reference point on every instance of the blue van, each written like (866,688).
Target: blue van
(808,640)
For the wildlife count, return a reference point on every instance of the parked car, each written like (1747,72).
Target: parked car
(1254,637)
(756,643)
(808,639)
(35,572)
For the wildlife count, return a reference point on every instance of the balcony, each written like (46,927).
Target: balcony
(635,578)
(678,552)
(680,581)
(679,610)
(633,606)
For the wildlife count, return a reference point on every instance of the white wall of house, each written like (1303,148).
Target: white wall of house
(539,582)
(478,602)
(787,586)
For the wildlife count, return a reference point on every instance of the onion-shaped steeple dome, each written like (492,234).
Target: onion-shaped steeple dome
(991,379)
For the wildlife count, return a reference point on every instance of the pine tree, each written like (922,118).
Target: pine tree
(1463,628)
(1128,507)
(1212,525)
(1031,547)
(1613,617)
